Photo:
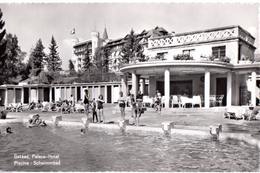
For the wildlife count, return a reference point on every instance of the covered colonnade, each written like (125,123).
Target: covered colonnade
(204,78)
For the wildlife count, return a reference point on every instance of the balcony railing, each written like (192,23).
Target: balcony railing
(201,36)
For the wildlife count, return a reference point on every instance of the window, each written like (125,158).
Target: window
(161,55)
(219,51)
(189,52)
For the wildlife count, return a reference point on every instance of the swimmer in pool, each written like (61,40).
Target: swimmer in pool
(9,130)
(83,131)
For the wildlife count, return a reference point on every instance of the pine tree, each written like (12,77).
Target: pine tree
(86,61)
(13,64)
(131,48)
(36,58)
(3,55)
(53,60)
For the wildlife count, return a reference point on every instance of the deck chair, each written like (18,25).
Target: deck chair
(175,101)
(79,108)
(212,99)
(196,100)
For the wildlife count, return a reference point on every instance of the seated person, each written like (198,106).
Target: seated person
(52,105)
(36,121)
(251,113)
(39,104)
(31,105)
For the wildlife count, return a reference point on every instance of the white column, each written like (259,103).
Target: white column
(22,95)
(99,91)
(207,88)
(167,88)
(14,99)
(30,99)
(6,97)
(124,84)
(142,85)
(105,94)
(112,93)
(50,94)
(229,88)
(37,94)
(253,88)
(81,92)
(135,83)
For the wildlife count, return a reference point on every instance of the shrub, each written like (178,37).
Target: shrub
(183,57)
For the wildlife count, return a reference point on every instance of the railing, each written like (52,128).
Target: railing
(201,36)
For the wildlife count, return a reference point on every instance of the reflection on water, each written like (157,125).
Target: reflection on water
(114,150)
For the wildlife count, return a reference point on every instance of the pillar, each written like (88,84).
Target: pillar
(207,88)
(112,94)
(124,84)
(14,99)
(253,88)
(167,88)
(135,83)
(81,92)
(229,88)
(22,95)
(105,94)
(50,94)
(142,85)
(6,97)
(30,99)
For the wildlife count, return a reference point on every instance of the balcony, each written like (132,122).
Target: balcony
(231,32)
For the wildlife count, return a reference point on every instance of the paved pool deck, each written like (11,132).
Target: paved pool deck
(190,121)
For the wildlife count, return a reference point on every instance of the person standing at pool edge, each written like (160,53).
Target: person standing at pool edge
(121,102)
(100,102)
(139,101)
(86,102)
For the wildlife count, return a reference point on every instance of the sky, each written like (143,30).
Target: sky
(33,21)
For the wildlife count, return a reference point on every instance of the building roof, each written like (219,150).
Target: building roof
(82,43)
(105,36)
(156,32)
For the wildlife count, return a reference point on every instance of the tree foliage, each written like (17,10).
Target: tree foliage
(36,58)
(131,48)
(3,55)
(86,61)
(53,60)
(14,65)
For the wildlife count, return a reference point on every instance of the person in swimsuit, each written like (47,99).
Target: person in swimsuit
(121,102)
(86,102)
(9,130)
(100,102)
(94,112)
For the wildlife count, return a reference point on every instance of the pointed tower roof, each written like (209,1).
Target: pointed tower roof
(105,36)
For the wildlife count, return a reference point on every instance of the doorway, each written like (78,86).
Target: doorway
(221,88)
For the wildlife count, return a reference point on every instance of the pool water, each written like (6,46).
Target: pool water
(113,150)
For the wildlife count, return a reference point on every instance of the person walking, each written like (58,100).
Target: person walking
(86,102)
(139,102)
(158,101)
(94,112)
(100,102)
(121,102)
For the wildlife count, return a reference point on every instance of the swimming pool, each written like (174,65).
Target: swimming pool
(113,150)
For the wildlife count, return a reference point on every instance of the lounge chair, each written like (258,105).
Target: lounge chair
(175,101)
(196,100)
(185,100)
